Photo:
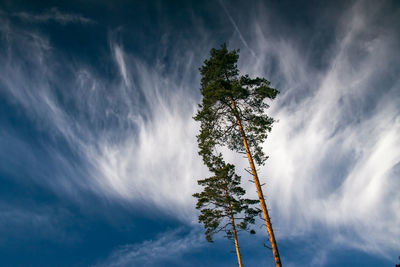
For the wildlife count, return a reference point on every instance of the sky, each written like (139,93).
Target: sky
(98,151)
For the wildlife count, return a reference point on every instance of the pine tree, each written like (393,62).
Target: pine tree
(222,206)
(232,114)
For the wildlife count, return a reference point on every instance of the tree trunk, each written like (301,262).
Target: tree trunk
(259,191)
(236,241)
(234,230)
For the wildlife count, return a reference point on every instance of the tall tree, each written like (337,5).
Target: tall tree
(222,206)
(232,114)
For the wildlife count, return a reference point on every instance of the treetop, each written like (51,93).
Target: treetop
(229,98)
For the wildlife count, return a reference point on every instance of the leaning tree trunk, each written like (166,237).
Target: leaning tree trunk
(234,231)
(236,241)
(259,191)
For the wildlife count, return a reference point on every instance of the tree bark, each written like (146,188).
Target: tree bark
(236,240)
(234,230)
(259,191)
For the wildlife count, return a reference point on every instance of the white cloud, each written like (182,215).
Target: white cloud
(53,15)
(334,154)
(158,163)
(144,150)
(45,223)
(167,247)
(119,58)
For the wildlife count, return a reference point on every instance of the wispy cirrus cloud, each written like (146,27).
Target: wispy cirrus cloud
(166,249)
(334,158)
(135,140)
(53,14)
(119,58)
(160,158)
(23,221)
(333,161)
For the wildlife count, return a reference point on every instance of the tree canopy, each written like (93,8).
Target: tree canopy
(221,86)
(233,114)
(222,200)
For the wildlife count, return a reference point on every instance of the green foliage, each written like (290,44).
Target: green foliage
(221,199)
(232,114)
(221,87)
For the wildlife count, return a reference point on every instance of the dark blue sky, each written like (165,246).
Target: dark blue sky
(98,152)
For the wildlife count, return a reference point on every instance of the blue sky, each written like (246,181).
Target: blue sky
(98,152)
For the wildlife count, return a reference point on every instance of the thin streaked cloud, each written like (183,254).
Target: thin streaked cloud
(55,15)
